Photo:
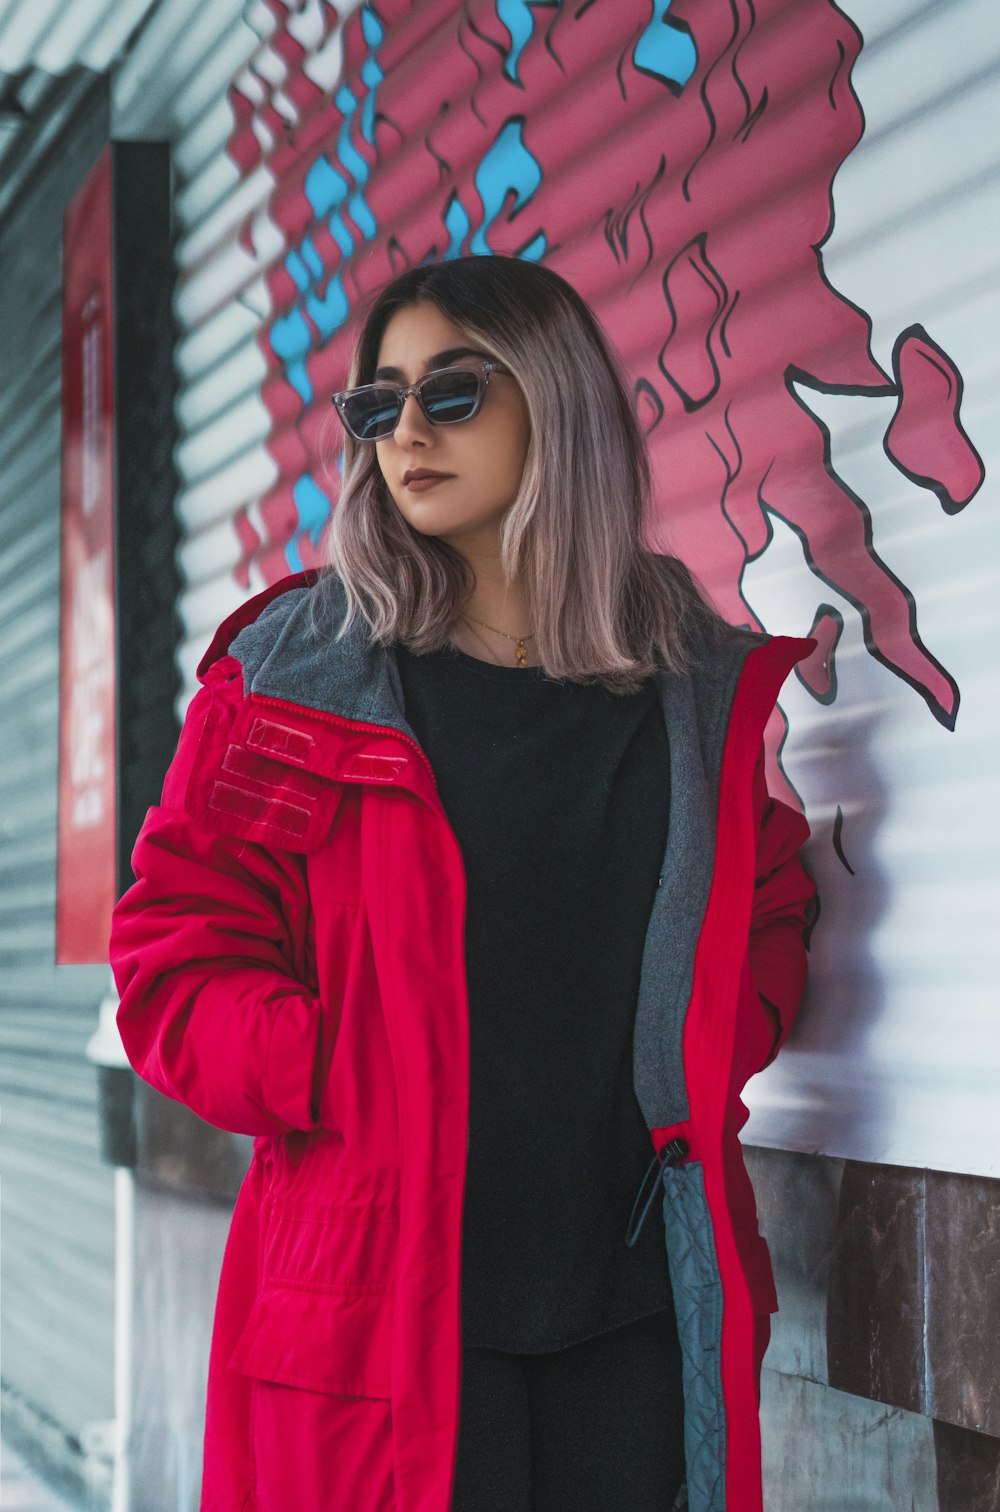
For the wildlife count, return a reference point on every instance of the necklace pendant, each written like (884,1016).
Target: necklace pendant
(521,653)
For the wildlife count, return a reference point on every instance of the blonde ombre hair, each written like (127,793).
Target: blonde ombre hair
(603,607)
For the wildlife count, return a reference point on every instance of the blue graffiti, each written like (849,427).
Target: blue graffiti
(332,199)
(535,250)
(371,74)
(313,509)
(371,28)
(458,226)
(298,270)
(357,167)
(665,49)
(516,16)
(291,339)
(341,235)
(311,257)
(329,310)
(325,187)
(508,165)
(362,217)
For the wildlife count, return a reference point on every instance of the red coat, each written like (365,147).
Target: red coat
(290,963)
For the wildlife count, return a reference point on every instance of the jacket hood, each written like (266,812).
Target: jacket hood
(284,640)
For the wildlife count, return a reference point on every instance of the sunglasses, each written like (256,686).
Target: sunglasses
(448,396)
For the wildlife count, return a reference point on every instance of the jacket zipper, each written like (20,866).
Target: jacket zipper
(674,1153)
(350,724)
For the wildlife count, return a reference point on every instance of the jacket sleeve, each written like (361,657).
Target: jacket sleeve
(211,955)
(784,910)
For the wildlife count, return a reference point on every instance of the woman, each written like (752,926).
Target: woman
(466,898)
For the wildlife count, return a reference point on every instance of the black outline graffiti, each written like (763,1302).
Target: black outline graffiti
(829,612)
(643,388)
(620,65)
(444,167)
(474,60)
(838,831)
(677,24)
(793,375)
(549,5)
(616,222)
(723,338)
(948,502)
(733,470)
(381,119)
(751,113)
(709,112)
(720,292)
(836,75)
(556,7)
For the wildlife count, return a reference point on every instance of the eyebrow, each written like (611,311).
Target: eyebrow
(440,359)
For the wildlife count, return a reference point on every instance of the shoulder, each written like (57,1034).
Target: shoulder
(738,673)
(293,608)
(299,643)
(718,652)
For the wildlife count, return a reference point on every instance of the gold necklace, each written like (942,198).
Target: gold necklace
(520,650)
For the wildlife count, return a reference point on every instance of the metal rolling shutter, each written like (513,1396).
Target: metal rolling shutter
(223,302)
(57,1200)
(618,189)
(219,367)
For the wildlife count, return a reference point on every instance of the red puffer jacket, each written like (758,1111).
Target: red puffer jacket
(290,963)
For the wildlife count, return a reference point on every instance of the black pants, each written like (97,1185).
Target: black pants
(596,1427)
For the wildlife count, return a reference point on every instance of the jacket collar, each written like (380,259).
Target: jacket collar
(285,641)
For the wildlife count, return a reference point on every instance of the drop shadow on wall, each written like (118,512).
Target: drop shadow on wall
(817,1108)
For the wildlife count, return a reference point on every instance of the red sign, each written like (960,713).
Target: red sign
(86,879)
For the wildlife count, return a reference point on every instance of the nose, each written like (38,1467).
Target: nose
(413,427)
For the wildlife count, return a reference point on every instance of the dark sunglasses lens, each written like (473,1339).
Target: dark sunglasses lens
(451,398)
(373,415)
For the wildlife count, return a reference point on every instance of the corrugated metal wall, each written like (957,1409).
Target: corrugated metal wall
(57,1201)
(221,459)
(898,1057)
(782,213)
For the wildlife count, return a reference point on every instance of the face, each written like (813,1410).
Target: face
(481,459)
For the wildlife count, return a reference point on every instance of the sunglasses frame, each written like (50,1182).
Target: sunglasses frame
(480,371)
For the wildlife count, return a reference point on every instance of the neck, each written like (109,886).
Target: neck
(500,604)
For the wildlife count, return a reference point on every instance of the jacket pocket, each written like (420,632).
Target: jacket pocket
(339,1343)
(322,1319)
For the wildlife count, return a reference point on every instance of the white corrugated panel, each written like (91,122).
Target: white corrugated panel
(680,170)
(898,1054)
(59,35)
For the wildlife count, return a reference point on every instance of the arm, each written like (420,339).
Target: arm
(211,957)
(784,909)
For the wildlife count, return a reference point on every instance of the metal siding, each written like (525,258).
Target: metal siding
(749,154)
(58,36)
(57,1200)
(898,1055)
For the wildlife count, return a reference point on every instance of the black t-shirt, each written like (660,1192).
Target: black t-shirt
(558,794)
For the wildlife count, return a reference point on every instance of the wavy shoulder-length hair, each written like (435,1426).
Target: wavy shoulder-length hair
(602,606)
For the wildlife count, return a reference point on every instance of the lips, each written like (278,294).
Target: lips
(422,480)
(419,473)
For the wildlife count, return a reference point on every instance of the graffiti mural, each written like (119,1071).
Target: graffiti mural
(674,161)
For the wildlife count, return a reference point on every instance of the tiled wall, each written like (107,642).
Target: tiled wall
(882,1382)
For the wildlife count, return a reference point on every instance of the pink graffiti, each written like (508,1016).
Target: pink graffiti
(692,218)
(819,671)
(925,438)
